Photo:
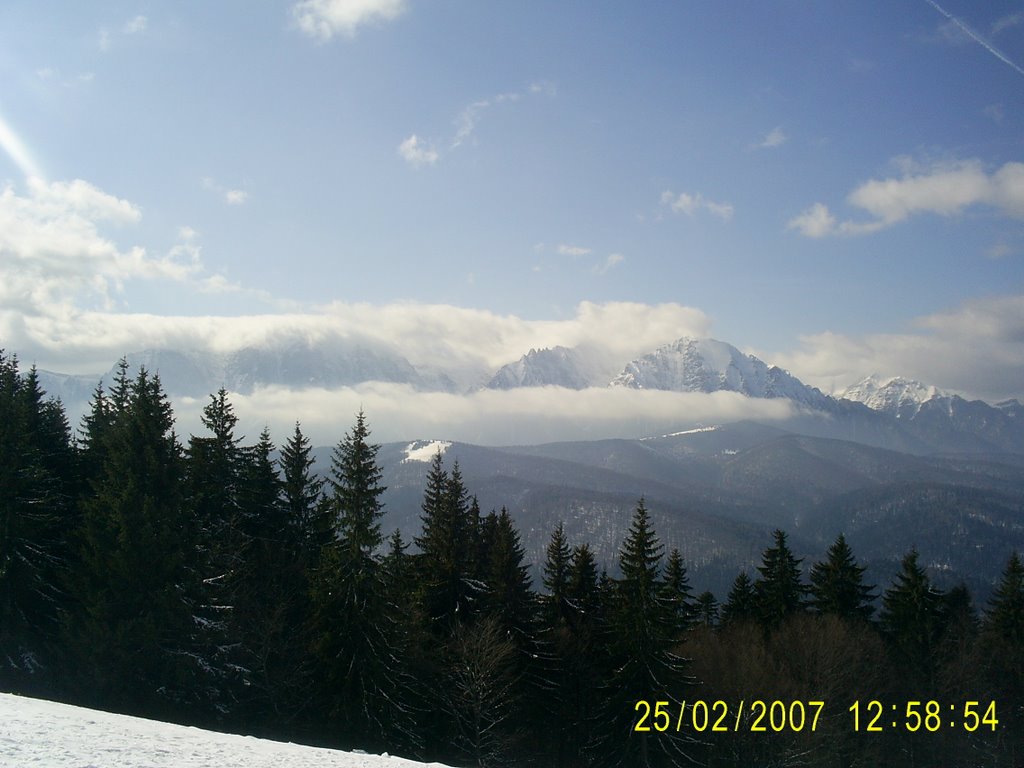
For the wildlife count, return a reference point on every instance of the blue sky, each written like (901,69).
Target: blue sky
(836,186)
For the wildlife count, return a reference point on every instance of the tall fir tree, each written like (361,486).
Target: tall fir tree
(706,610)
(644,633)
(779,589)
(134,630)
(302,490)
(556,577)
(37,479)
(448,588)
(271,604)
(354,628)
(741,602)
(214,466)
(911,619)
(1004,617)
(678,590)
(837,584)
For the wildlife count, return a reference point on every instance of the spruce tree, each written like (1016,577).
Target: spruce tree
(354,629)
(706,610)
(449,591)
(302,490)
(911,619)
(837,584)
(37,478)
(1001,650)
(779,590)
(556,577)
(644,632)
(214,465)
(134,630)
(270,606)
(509,597)
(741,602)
(1004,617)
(677,589)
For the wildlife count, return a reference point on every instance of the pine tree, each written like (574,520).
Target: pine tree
(214,466)
(509,597)
(556,577)
(706,610)
(355,483)
(134,630)
(578,664)
(582,589)
(1000,652)
(37,478)
(354,629)
(449,591)
(911,619)
(677,589)
(644,632)
(741,602)
(1004,617)
(779,590)
(837,584)
(270,605)
(302,491)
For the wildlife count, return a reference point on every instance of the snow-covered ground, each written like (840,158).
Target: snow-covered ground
(43,734)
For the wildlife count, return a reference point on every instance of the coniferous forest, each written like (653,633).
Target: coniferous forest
(212,582)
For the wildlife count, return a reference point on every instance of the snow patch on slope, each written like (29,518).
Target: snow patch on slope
(425,450)
(44,733)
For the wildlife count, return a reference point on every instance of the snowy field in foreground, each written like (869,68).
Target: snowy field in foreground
(43,734)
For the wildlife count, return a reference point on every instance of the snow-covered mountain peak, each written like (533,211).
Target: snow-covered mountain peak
(555,366)
(894,394)
(708,365)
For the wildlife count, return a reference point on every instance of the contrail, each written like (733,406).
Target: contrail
(975,36)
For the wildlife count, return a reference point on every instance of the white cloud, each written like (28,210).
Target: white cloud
(103,40)
(494,417)
(945,189)
(134,26)
(230,196)
(1007,22)
(692,204)
(572,250)
(466,123)
(816,221)
(976,349)
(467,120)
(54,259)
(416,153)
(774,138)
(324,19)
(614,259)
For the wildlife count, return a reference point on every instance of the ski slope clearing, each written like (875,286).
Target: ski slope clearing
(43,734)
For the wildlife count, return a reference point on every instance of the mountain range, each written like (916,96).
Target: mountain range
(894,413)
(891,462)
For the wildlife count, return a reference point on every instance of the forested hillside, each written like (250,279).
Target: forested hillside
(202,580)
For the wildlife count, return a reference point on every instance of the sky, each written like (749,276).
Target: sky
(836,187)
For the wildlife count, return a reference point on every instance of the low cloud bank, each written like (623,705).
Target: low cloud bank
(487,417)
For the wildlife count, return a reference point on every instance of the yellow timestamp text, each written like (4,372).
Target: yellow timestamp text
(757,716)
(931,716)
